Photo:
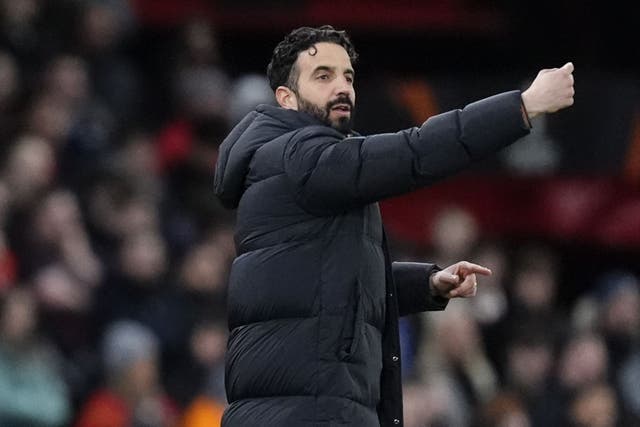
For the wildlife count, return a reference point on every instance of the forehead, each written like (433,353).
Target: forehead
(323,54)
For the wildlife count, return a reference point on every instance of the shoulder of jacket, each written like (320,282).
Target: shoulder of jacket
(316,131)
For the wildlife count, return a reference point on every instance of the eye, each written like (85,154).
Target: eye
(323,77)
(349,79)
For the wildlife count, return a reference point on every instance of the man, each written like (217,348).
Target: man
(313,297)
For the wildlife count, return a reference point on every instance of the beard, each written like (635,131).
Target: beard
(341,124)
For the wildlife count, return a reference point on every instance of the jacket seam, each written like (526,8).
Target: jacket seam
(315,397)
(316,374)
(367,236)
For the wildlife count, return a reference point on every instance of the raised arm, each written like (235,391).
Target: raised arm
(332,174)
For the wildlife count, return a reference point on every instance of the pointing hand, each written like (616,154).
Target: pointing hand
(458,280)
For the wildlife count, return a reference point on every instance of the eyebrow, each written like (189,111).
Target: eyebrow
(332,69)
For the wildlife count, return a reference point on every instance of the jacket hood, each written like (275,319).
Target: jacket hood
(260,126)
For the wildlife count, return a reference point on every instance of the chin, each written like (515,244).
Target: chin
(342,124)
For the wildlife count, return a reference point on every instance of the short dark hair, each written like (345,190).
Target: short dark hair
(281,70)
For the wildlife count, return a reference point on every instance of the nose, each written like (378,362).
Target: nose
(344,87)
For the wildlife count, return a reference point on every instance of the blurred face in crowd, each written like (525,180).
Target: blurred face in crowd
(583,361)
(143,256)
(67,79)
(18,317)
(535,288)
(142,377)
(50,119)
(528,366)
(19,12)
(595,406)
(324,86)
(455,230)
(200,41)
(58,216)
(622,312)
(30,168)
(208,344)
(505,410)
(205,269)
(100,26)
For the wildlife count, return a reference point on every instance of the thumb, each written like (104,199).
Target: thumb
(568,67)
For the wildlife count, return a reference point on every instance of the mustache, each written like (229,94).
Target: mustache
(340,100)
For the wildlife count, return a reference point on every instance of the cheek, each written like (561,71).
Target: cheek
(305,95)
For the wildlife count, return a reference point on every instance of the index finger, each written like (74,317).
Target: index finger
(475,268)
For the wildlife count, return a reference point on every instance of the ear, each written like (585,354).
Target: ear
(286,98)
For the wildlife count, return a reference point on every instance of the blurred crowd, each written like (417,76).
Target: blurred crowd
(114,253)
(113,250)
(518,354)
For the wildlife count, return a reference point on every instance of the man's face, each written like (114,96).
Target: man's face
(325,85)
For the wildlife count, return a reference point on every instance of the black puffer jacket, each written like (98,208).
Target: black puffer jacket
(313,298)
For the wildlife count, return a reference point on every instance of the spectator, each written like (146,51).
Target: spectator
(29,172)
(194,308)
(189,179)
(456,344)
(627,381)
(619,315)
(100,32)
(582,364)
(205,375)
(56,234)
(504,410)
(490,306)
(595,406)
(132,395)
(436,402)
(132,289)
(32,389)
(528,366)
(19,31)
(69,114)
(618,319)
(533,295)
(116,209)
